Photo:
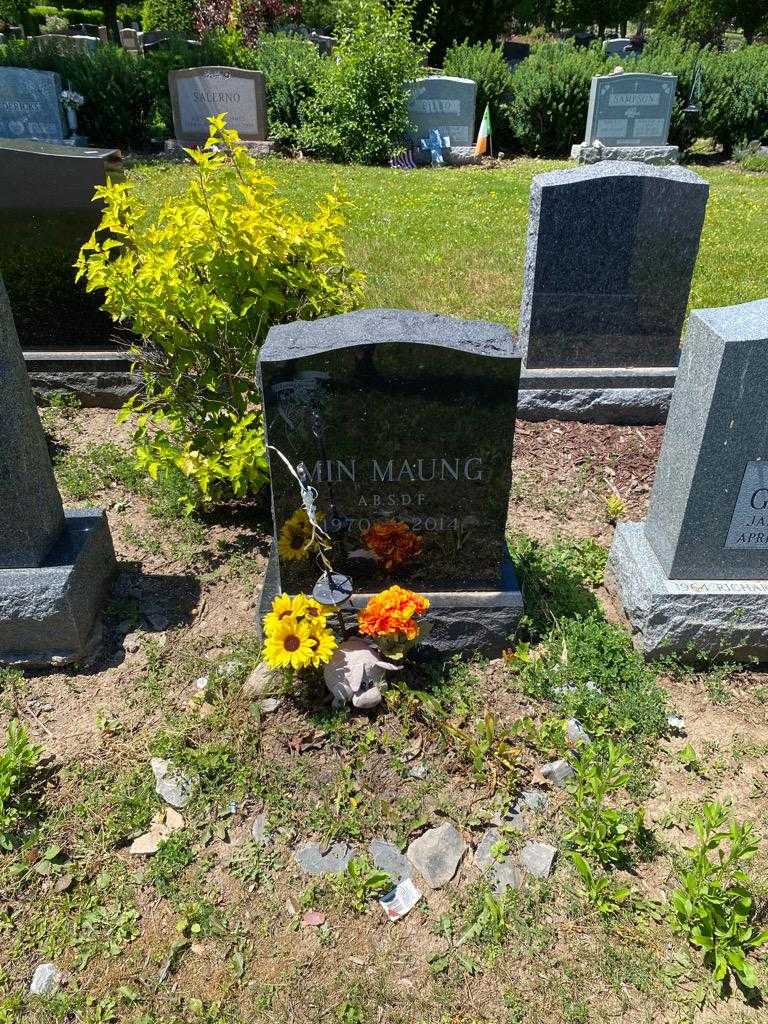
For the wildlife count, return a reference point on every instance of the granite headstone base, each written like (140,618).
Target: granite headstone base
(628,397)
(590,153)
(461,622)
(685,616)
(263,147)
(101,379)
(48,615)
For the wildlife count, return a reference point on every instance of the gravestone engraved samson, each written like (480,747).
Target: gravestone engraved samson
(444,104)
(55,566)
(405,423)
(707,519)
(30,105)
(200,93)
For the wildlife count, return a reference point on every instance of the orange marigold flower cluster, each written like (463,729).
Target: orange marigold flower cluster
(393,542)
(393,612)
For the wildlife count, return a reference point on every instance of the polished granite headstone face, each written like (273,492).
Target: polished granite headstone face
(405,423)
(630,109)
(708,512)
(200,93)
(444,104)
(30,105)
(610,255)
(46,214)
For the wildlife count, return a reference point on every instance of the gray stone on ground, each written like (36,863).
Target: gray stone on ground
(261,681)
(171,785)
(387,857)
(258,828)
(537,858)
(647,407)
(576,733)
(661,156)
(557,772)
(534,800)
(46,980)
(334,861)
(502,872)
(436,854)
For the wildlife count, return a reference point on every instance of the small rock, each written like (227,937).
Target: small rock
(537,858)
(676,725)
(418,771)
(172,786)
(502,873)
(46,980)
(260,681)
(484,858)
(201,684)
(149,843)
(334,861)
(387,857)
(230,668)
(258,828)
(132,643)
(436,855)
(313,919)
(576,733)
(173,820)
(557,772)
(534,800)
(269,704)
(64,883)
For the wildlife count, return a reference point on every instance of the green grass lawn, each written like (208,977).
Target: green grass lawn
(454,241)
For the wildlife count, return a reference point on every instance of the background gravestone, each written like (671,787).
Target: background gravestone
(30,105)
(446,104)
(616,46)
(437,470)
(696,572)
(628,119)
(55,567)
(200,93)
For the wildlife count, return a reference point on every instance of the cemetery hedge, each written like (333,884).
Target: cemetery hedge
(351,108)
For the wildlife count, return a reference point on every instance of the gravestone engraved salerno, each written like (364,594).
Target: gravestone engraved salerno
(30,105)
(55,566)
(630,109)
(610,254)
(696,570)
(200,93)
(404,422)
(446,104)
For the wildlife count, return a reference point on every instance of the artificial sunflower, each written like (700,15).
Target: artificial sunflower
(289,645)
(295,541)
(324,645)
(282,607)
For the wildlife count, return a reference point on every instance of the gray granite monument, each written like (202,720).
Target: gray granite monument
(200,93)
(56,566)
(610,254)
(695,573)
(30,105)
(446,105)
(419,498)
(628,119)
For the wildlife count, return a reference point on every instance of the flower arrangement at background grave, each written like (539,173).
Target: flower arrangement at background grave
(297,633)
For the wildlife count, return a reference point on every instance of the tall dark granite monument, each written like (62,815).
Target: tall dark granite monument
(404,422)
(696,572)
(56,566)
(610,255)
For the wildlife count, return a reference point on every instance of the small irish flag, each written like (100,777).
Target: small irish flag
(484,135)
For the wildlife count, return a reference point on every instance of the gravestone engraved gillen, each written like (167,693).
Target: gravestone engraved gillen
(30,105)
(200,93)
(56,566)
(444,104)
(707,519)
(628,118)
(404,422)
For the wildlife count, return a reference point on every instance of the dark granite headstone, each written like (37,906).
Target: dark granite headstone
(515,53)
(55,567)
(694,576)
(405,423)
(46,214)
(610,255)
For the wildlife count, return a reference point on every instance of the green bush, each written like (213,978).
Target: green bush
(18,764)
(201,281)
(735,96)
(484,64)
(359,112)
(665,53)
(550,97)
(171,15)
(292,67)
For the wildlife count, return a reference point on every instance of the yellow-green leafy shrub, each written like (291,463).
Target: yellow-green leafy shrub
(201,282)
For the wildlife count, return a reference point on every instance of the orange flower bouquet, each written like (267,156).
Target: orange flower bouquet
(392,619)
(393,542)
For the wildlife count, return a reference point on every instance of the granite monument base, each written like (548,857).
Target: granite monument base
(684,617)
(48,615)
(462,622)
(98,379)
(263,147)
(592,153)
(622,396)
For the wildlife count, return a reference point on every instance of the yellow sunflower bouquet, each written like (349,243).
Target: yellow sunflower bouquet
(296,634)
